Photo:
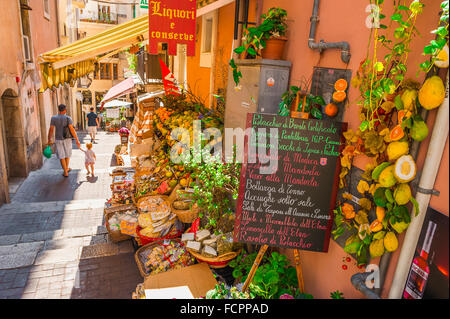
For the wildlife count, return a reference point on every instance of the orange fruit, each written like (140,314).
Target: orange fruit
(339,96)
(340,85)
(400,115)
(396,133)
(331,109)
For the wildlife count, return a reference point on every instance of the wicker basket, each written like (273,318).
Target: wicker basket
(141,267)
(116,235)
(216,262)
(136,202)
(147,240)
(186,216)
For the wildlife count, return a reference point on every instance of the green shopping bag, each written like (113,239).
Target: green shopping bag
(48,151)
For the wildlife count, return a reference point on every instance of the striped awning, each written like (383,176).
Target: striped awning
(70,62)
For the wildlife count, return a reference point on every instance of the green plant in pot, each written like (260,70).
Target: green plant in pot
(266,40)
(313,103)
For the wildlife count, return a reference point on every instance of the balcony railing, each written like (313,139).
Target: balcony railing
(99,17)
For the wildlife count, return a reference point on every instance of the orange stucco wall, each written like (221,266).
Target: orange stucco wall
(198,77)
(10,60)
(345,21)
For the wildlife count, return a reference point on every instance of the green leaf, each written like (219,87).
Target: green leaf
(389,196)
(316,113)
(364,126)
(399,32)
(251,51)
(353,247)
(398,103)
(416,205)
(442,31)
(383,26)
(397,17)
(378,66)
(400,7)
(319,100)
(271,277)
(232,63)
(429,49)
(239,50)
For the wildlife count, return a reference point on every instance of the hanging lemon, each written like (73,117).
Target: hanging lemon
(442,58)
(405,169)
(432,93)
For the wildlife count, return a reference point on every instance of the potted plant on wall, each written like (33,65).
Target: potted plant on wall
(275,18)
(266,40)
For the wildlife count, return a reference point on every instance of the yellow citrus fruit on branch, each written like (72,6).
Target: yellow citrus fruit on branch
(432,93)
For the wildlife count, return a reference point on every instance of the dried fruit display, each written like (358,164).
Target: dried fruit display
(390,108)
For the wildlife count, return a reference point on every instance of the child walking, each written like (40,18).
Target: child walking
(89,158)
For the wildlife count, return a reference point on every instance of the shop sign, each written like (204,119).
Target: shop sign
(291,206)
(172,22)
(144,4)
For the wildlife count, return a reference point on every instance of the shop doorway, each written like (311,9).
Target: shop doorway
(13,135)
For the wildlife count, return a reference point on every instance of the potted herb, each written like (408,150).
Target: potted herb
(275,19)
(266,40)
(292,103)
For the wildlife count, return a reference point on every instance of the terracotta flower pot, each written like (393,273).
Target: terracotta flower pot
(274,48)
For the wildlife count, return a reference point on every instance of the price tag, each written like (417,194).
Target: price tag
(128,228)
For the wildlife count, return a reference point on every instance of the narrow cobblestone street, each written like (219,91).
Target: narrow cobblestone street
(53,242)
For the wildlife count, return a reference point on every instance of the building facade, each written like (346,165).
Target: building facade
(23,109)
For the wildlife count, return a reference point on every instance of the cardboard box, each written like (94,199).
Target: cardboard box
(199,278)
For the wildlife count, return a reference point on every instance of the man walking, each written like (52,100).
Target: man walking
(92,124)
(62,126)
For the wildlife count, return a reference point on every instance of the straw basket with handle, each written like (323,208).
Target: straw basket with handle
(187,216)
(216,262)
(150,246)
(116,235)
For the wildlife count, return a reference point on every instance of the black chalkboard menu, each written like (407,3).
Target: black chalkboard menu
(289,182)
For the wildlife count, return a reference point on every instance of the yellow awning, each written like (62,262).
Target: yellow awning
(70,62)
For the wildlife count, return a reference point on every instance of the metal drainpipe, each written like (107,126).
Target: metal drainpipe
(358,280)
(386,258)
(423,197)
(344,46)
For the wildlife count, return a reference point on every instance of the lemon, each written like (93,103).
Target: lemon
(419,131)
(399,227)
(390,242)
(387,177)
(402,194)
(442,58)
(408,98)
(376,248)
(432,93)
(405,169)
(397,149)
(183,182)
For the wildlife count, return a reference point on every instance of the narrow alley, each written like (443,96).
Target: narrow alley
(54,243)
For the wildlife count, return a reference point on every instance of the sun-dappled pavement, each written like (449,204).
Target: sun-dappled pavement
(53,242)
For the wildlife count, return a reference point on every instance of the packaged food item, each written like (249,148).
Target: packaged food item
(167,255)
(116,218)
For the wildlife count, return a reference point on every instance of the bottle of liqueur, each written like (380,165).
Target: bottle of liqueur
(418,274)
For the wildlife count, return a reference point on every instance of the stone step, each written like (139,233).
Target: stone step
(52,206)
(52,235)
(60,251)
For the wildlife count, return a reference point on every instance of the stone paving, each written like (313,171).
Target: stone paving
(53,242)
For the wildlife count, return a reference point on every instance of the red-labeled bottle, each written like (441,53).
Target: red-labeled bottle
(418,274)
